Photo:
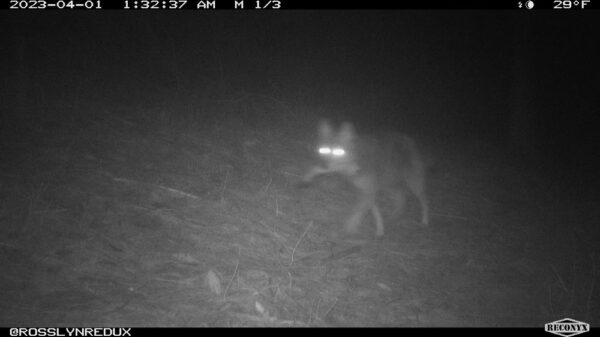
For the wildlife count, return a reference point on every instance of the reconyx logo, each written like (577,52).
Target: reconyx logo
(567,327)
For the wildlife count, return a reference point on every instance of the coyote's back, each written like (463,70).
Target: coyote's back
(388,163)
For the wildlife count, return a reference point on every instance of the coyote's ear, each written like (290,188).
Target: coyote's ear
(346,133)
(325,131)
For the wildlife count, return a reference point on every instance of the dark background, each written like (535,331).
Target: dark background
(521,79)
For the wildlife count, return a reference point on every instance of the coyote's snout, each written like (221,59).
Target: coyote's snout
(388,163)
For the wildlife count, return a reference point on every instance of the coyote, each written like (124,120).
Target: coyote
(389,163)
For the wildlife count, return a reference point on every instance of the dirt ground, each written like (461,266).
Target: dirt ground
(122,219)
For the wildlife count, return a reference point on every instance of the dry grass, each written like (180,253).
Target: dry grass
(125,221)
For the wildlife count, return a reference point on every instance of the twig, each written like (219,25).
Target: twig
(179,192)
(317,310)
(270,177)
(232,276)
(299,240)
(327,313)
(170,189)
(277,212)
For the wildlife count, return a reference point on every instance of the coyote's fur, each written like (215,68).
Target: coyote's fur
(388,163)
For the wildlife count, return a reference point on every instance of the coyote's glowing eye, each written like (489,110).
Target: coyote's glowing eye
(324,150)
(338,152)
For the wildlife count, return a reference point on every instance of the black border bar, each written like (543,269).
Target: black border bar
(204,5)
(195,332)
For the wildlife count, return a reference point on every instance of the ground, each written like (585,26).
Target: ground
(122,219)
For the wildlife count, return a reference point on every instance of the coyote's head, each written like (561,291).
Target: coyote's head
(336,149)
